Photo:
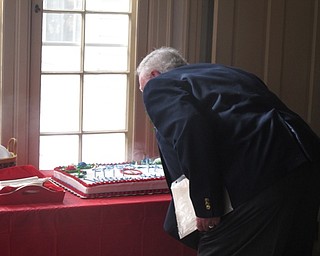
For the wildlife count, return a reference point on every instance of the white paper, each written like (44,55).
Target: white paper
(34,181)
(185,214)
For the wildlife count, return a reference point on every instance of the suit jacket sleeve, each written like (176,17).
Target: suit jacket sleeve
(179,119)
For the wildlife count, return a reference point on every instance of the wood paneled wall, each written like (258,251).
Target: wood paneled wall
(279,40)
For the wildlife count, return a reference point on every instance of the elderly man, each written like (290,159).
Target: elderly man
(222,128)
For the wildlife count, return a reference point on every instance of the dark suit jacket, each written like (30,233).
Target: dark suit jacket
(221,126)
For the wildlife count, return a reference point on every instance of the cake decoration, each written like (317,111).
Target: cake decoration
(113,179)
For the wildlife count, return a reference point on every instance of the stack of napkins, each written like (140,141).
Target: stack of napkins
(16,183)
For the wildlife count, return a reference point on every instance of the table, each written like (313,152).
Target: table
(121,226)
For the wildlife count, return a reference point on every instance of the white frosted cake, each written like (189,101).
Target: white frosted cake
(107,180)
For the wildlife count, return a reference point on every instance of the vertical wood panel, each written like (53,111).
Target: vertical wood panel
(21,114)
(223,32)
(274,45)
(35,81)
(250,22)
(160,15)
(154,31)
(194,31)
(314,117)
(141,123)
(7,108)
(297,55)
(180,25)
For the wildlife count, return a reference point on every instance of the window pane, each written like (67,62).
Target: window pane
(109,148)
(62,4)
(61,50)
(110,5)
(60,58)
(107,29)
(104,100)
(106,59)
(59,103)
(106,45)
(58,150)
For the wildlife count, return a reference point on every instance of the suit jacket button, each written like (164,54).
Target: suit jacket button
(207,203)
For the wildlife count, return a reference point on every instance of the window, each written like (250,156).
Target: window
(159,23)
(86,72)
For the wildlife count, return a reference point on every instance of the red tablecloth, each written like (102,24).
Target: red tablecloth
(121,226)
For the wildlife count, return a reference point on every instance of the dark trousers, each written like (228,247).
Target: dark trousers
(280,221)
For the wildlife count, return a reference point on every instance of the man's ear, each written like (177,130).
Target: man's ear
(155,73)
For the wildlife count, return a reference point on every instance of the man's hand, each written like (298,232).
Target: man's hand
(205,224)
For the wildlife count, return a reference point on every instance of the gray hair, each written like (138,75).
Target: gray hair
(162,60)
